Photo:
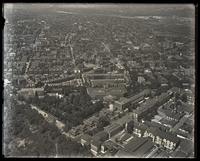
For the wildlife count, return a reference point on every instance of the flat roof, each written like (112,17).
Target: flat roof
(121,121)
(102,135)
(34,89)
(135,143)
(186,146)
(86,137)
(112,127)
(138,147)
(104,92)
(123,153)
(144,149)
(125,100)
(108,80)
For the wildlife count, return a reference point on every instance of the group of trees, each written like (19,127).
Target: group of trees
(71,109)
(38,142)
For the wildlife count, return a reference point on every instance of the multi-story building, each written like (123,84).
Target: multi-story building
(151,105)
(97,141)
(124,103)
(86,140)
(164,139)
(31,92)
(113,129)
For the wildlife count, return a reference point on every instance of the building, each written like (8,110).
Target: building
(97,141)
(86,140)
(157,125)
(75,131)
(109,146)
(170,115)
(91,121)
(97,93)
(124,103)
(139,129)
(186,146)
(178,154)
(107,83)
(146,108)
(123,120)
(165,139)
(95,146)
(123,154)
(100,78)
(100,85)
(101,136)
(113,129)
(151,106)
(31,92)
(136,148)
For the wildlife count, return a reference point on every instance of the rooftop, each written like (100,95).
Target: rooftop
(124,100)
(31,89)
(138,147)
(112,127)
(166,135)
(86,137)
(186,146)
(121,121)
(100,136)
(104,92)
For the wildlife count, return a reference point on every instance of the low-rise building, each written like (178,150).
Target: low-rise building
(113,129)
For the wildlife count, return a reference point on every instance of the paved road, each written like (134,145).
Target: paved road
(50,118)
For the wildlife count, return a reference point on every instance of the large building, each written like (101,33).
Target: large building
(113,129)
(124,103)
(100,85)
(136,148)
(86,140)
(89,77)
(97,141)
(31,92)
(97,93)
(151,105)
(165,139)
